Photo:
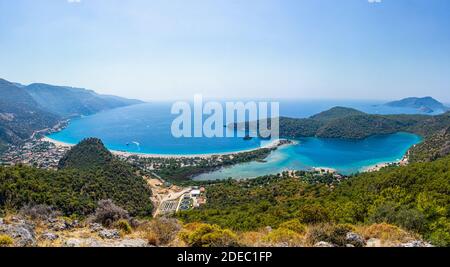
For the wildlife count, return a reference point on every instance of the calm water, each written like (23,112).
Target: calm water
(146,129)
(347,156)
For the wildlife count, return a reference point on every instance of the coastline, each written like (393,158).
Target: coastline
(270,145)
(376,167)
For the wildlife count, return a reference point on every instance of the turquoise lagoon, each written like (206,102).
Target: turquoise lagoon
(146,129)
(346,156)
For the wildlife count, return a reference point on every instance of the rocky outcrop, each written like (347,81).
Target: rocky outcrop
(20,230)
(355,240)
(323,244)
(109,234)
(416,244)
(49,236)
(92,242)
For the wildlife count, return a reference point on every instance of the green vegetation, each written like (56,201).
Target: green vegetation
(6,241)
(415,197)
(205,235)
(124,226)
(179,170)
(89,153)
(340,122)
(434,147)
(73,190)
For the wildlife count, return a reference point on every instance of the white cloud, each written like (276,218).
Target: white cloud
(73,1)
(370,1)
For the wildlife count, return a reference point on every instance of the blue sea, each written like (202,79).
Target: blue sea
(146,128)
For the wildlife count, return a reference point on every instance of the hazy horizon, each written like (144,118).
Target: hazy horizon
(287,49)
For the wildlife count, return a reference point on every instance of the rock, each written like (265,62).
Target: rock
(49,236)
(133,243)
(373,242)
(109,234)
(323,244)
(416,244)
(349,246)
(73,243)
(21,231)
(96,227)
(61,224)
(269,229)
(355,239)
(92,242)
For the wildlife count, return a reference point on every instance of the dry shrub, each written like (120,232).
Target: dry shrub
(124,226)
(386,233)
(108,213)
(334,234)
(284,237)
(161,231)
(252,239)
(38,212)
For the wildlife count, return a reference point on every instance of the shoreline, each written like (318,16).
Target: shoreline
(270,145)
(377,167)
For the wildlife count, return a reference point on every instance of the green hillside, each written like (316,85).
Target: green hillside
(76,189)
(415,197)
(352,124)
(89,153)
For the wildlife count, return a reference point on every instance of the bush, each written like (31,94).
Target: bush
(334,234)
(387,232)
(107,213)
(6,241)
(162,231)
(284,237)
(440,235)
(207,235)
(294,225)
(313,214)
(38,212)
(124,226)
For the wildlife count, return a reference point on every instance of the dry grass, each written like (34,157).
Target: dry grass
(388,234)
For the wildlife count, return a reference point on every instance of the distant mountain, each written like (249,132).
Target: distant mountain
(424,104)
(20,114)
(69,101)
(26,109)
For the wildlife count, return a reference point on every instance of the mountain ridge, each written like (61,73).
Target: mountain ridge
(425,104)
(25,109)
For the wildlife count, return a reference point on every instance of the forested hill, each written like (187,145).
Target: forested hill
(414,197)
(89,153)
(89,174)
(352,124)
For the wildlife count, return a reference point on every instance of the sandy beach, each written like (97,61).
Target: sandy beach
(271,144)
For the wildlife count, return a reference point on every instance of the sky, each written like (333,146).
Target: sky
(173,49)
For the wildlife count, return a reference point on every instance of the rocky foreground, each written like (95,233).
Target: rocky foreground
(16,231)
